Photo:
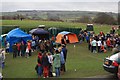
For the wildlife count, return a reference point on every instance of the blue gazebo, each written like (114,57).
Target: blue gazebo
(17,35)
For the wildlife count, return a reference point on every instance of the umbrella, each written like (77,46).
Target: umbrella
(41,33)
(38,31)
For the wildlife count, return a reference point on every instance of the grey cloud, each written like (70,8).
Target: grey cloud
(82,6)
(60,0)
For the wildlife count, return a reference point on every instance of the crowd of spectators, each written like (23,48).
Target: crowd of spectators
(51,58)
(101,42)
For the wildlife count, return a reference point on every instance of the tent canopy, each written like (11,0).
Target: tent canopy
(41,33)
(71,37)
(65,32)
(17,35)
(3,35)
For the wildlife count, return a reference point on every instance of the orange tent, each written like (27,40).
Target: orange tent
(71,37)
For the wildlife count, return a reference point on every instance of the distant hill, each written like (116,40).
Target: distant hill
(63,15)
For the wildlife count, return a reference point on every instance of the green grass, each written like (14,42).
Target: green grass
(80,58)
(35,23)
(86,63)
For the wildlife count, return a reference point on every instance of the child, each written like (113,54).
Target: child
(27,53)
(50,58)
(102,49)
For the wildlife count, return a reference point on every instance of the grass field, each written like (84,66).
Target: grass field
(87,64)
(35,23)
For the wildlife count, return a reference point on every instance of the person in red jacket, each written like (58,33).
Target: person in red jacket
(39,60)
(45,64)
(101,33)
(18,48)
(108,42)
(102,49)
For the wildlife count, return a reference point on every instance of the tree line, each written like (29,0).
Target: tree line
(100,18)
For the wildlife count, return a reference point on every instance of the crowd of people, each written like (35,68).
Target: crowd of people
(101,43)
(22,49)
(51,58)
(25,49)
(48,62)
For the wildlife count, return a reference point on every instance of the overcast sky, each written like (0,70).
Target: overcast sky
(81,5)
(60,0)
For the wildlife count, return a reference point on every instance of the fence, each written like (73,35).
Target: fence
(55,31)
(5,29)
(52,30)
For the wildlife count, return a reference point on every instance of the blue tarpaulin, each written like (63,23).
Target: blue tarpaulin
(17,35)
(64,32)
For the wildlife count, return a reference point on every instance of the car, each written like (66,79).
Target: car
(111,63)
